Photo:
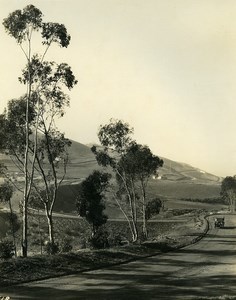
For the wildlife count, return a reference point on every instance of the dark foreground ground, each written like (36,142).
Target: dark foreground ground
(205,270)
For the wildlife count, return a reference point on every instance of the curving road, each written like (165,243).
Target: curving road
(207,268)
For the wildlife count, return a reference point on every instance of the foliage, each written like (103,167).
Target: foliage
(139,162)
(12,128)
(18,22)
(21,23)
(51,248)
(153,207)
(115,135)
(6,249)
(228,191)
(66,245)
(100,239)
(90,198)
(215,200)
(6,192)
(228,183)
(133,164)
(114,239)
(36,111)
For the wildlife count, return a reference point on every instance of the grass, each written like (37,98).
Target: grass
(166,190)
(37,267)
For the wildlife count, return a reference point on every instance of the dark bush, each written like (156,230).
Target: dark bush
(51,248)
(115,239)
(100,240)
(6,249)
(66,245)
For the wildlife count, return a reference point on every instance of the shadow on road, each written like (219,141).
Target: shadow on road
(228,227)
(138,287)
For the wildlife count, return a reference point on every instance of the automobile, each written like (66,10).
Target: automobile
(219,222)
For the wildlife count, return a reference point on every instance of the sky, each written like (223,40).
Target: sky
(167,67)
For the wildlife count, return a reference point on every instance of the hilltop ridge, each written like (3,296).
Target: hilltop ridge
(82,162)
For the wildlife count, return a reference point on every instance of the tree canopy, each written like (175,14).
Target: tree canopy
(132,164)
(90,199)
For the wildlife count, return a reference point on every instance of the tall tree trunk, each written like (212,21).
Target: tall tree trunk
(50,229)
(145,233)
(24,244)
(134,236)
(135,231)
(26,187)
(40,234)
(131,205)
(12,228)
(50,224)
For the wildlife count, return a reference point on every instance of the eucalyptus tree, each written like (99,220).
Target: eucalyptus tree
(139,164)
(115,138)
(51,156)
(22,25)
(133,165)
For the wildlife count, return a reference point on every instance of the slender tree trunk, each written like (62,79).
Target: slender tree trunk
(50,229)
(93,230)
(24,244)
(12,228)
(26,187)
(134,222)
(50,224)
(135,231)
(145,233)
(40,234)
(131,204)
(127,219)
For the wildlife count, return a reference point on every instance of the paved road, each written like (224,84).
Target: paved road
(207,268)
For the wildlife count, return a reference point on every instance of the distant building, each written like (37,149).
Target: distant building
(156,177)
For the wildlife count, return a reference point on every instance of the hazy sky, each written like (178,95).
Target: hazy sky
(167,67)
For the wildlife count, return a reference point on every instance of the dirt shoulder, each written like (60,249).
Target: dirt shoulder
(21,270)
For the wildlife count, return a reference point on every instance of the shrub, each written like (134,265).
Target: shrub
(51,248)
(83,243)
(6,249)
(115,239)
(66,245)
(100,240)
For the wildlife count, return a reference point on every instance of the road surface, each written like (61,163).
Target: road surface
(207,268)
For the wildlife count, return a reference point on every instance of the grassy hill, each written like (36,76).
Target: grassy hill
(176,181)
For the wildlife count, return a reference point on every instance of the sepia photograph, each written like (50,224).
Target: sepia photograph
(118,149)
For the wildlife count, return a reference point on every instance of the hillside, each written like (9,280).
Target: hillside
(82,162)
(177,171)
(175,180)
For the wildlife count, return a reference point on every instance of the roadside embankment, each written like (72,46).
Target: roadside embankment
(21,270)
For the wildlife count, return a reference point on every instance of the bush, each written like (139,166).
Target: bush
(100,240)
(66,245)
(6,249)
(51,248)
(115,239)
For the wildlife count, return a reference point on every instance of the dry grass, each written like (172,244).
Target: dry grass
(38,267)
